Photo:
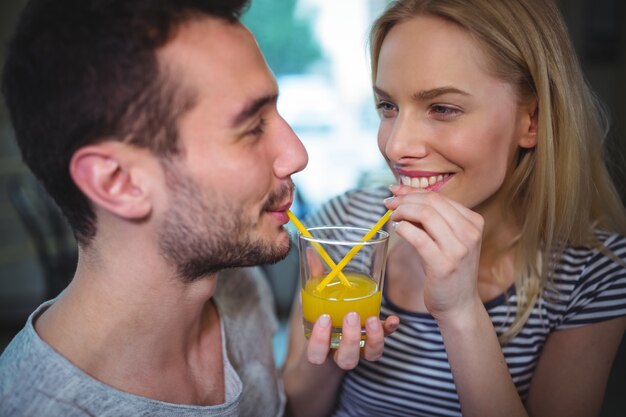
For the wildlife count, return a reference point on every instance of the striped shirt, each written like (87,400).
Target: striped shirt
(413,377)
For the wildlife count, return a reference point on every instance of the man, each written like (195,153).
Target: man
(153,125)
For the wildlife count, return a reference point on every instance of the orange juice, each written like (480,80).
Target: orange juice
(337,300)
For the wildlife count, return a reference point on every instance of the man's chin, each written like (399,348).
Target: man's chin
(280,249)
(261,253)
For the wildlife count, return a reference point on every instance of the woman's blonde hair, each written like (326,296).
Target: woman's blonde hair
(559,191)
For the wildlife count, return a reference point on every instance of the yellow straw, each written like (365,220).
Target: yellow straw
(319,248)
(337,269)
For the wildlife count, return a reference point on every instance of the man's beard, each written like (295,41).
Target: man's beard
(201,238)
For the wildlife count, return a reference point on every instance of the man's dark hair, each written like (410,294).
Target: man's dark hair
(81,71)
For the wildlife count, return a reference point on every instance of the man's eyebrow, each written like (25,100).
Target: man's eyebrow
(252,108)
(425,94)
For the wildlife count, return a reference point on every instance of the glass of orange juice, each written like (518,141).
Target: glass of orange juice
(357,288)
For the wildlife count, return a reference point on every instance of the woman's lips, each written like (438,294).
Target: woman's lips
(431,182)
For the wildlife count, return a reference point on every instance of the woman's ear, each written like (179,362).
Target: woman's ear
(109,175)
(530,126)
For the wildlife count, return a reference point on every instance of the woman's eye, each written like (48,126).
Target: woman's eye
(385,108)
(444,112)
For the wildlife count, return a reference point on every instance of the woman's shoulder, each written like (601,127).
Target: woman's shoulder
(591,281)
(611,240)
(607,247)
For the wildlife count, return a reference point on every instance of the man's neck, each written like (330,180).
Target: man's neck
(129,328)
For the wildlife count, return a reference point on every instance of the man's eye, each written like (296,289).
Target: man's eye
(259,129)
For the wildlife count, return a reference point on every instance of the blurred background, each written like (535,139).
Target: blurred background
(318,51)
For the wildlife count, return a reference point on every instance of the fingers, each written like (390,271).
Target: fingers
(433,223)
(447,239)
(319,341)
(391,324)
(348,353)
(425,228)
(375,343)
(403,190)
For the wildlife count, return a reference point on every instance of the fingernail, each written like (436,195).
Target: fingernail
(352,319)
(324,321)
(395,224)
(388,199)
(372,322)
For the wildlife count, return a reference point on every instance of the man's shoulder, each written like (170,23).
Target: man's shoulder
(12,362)
(35,380)
(24,356)
(31,380)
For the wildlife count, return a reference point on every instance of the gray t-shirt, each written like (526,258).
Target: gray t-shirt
(37,381)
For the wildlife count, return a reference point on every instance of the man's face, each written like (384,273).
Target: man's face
(228,192)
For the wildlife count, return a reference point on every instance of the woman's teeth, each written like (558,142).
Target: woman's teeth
(422,182)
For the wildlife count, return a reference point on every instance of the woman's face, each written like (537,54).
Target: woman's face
(447,125)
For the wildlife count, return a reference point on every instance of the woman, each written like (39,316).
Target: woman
(507,268)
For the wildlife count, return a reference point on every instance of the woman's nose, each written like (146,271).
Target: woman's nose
(404,138)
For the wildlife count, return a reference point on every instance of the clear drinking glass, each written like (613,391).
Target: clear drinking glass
(364,271)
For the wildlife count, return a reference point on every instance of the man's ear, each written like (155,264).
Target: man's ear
(530,126)
(110,177)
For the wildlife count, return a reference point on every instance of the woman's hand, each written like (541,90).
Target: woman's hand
(313,370)
(447,238)
(347,355)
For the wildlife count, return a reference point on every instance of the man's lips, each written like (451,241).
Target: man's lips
(281,208)
(279,212)
(281,199)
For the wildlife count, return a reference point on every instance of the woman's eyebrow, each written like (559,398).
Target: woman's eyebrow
(436,92)
(381,93)
(424,94)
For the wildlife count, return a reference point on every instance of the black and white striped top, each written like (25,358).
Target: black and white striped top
(413,377)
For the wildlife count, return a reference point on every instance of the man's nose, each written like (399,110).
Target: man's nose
(292,156)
